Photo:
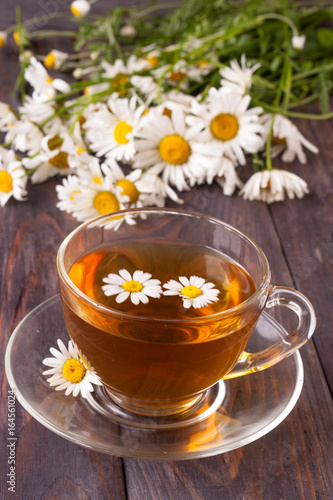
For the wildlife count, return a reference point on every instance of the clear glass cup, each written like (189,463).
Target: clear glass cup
(159,364)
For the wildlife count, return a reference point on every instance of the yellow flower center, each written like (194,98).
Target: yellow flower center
(105,202)
(132,286)
(98,180)
(16,36)
(6,182)
(129,189)
(174,149)
(153,61)
(120,132)
(49,80)
(87,91)
(177,76)
(60,160)
(119,80)
(80,150)
(73,370)
(203,64)
(75,11)
(277,140)
(224,126)
(2,41)
(55,142)
(167,112)
(50,60)
(191,291)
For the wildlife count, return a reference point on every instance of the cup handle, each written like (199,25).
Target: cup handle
(297,302)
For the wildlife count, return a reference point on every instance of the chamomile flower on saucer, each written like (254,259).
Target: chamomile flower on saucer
(272,185)
(167,146)
(13,178)
(227,122)
(287,138)
(238,77)
(138,287)
(194,291)
(70,371)
(110,130)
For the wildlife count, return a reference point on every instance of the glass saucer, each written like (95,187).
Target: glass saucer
(251,407)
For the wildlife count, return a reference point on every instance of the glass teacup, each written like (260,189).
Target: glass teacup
(163,302)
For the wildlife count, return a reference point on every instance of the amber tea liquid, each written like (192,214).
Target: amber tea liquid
(165,352)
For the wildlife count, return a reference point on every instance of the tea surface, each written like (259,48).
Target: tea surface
(164,262)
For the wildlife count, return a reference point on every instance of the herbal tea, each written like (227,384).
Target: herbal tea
(167,346)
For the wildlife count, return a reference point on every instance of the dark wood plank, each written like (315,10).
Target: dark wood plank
(305,229)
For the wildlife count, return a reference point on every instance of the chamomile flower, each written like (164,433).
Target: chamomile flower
(41,81)
(70,371)
(3,38)
(121,72)
(165,145)
(273,185)
(13,178)
(141,188)
(287,138)
(227,177)
(67,192)
(55,58)
(238,77)
(52,158)
(7,117)
(298,42)
(138,287)
(36,110)
(25,137)
(227,122)
(98,199)
(80,8)
(194,291)
(110,130)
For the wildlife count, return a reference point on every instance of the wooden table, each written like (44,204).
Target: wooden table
(294,461)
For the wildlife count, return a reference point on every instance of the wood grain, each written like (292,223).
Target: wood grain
(291,462)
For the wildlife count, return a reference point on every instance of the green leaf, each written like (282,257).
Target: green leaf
(325,37)
(324,93)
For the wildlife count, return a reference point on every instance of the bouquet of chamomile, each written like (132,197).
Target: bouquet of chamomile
(156,99)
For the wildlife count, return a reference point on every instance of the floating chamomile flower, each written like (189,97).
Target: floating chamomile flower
(194,291)
(13,178)
(80,8)
(138,288)
(70,371)
(226,121)
(272,185)
(238,77)
(165,145)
